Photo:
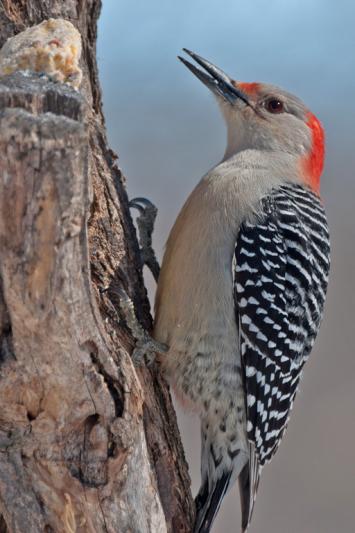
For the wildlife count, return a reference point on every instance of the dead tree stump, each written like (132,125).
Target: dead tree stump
(87,442)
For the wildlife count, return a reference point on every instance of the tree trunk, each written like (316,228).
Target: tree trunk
(88,443)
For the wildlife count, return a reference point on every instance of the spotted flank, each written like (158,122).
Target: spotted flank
(281,275)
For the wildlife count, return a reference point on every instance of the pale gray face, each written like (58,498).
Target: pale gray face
(258,116)
(270,101)
(274,120)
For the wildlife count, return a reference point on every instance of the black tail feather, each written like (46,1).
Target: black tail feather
(245,500)
(208,503)
(248,480)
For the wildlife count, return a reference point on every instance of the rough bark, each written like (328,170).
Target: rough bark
(87,442)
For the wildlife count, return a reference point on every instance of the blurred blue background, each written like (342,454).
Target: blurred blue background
(168,132)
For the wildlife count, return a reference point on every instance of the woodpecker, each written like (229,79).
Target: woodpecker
(243,282)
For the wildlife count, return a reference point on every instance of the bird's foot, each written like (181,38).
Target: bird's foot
(145,222)
(146,348)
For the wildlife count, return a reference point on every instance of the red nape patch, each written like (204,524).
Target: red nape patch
(312,164)
(249,88)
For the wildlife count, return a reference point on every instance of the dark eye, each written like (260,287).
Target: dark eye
(274,105)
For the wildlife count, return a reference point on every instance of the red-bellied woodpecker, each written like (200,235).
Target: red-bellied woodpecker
(242,285)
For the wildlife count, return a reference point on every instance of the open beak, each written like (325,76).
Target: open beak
(215,79)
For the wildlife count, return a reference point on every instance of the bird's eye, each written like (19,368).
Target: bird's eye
(274,105)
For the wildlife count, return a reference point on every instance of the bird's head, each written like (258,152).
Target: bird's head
(263,117)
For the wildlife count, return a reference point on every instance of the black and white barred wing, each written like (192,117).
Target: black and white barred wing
(282,265)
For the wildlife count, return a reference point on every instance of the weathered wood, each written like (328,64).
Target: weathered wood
(87,443)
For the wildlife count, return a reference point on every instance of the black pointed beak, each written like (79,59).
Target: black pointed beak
(215,79)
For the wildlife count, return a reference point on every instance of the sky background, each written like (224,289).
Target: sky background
(168,132)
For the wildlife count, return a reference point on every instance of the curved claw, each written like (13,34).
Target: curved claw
(147,205)
(142,200)
(133,205)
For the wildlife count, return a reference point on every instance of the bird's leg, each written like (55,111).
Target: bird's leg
(145,222)
(145,348)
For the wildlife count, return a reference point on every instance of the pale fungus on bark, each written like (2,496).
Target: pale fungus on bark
(52,47)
